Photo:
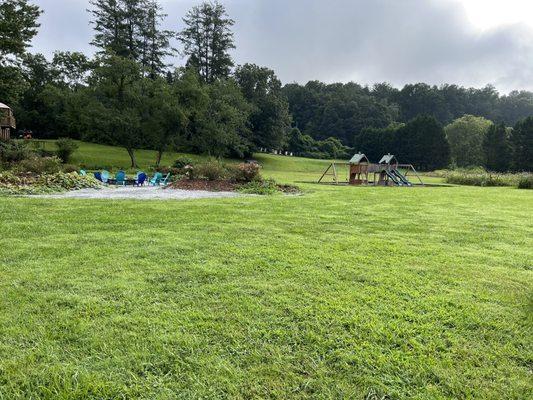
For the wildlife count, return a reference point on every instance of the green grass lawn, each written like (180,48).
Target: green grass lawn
(344,292)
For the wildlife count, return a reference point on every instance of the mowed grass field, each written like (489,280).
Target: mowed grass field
(343,292)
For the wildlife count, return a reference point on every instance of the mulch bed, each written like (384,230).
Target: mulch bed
(200,184)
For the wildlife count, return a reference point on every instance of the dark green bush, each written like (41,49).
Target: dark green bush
(70,168)
(264,187)
(12,151)
(267,187)
(182,162)
(65,148)
(525,181)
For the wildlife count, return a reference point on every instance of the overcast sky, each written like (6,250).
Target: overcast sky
(469,42)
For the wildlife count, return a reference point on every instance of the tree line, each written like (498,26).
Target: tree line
(130,95)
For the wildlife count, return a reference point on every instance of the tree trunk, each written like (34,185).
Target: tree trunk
(132,157)
(159,156)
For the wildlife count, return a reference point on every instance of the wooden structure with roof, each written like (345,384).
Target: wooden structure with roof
(388,172)
(359,166)
(7,122)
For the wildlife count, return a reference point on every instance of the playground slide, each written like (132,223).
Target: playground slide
(402,178)
(393,178)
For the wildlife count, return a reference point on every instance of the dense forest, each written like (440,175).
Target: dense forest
(130,94)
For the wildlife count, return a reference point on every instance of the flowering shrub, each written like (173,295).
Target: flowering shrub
(245,172)
(212,170)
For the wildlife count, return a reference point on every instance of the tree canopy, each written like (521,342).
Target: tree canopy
(133,94)
(466,135)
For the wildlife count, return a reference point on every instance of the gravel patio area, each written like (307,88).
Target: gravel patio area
(139,193)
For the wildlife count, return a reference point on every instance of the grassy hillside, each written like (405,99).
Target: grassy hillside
(344,292)
(97,156)
(284,169)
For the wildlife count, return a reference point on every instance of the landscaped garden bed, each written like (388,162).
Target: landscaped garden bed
(216,176)
(26,172)
(28,184)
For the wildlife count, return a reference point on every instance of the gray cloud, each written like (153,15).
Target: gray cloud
(397,41)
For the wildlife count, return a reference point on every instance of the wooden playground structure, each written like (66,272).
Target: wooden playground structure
(7,122)
(360,171)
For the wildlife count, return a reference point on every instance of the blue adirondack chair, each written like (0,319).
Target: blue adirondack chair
(141,179)
(98,176)
(164,181)
(156,179)
(120,178)
(105,176)
(83,172)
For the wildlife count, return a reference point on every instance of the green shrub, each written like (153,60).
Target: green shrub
(70,168)
(479,177)
(39,165)
(212,170)
(65,148)
(245,172)
(525,181)
(182,162)
(12,151)
(261,187)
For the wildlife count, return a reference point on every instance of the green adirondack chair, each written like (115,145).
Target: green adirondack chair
(164,181)
(156,180)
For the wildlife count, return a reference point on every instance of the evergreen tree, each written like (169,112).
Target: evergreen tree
(155,42)
(422,142)
(375,142)
(496,148)
(522,145)
(110,27)
(131,29)
(207,39)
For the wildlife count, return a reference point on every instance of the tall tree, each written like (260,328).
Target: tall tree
(270,119)
(497,149)
(207,39)
(422,142)
(522,145)
(132,29)
(18,26)
(221,128)
(155,45)
(164,118)
(375,142)
(466,135)
(110,27)
(72,68)
(114,112)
